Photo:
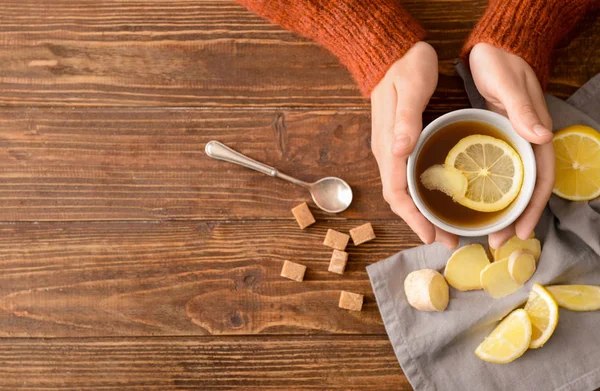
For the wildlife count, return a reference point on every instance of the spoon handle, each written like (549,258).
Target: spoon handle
(220,151)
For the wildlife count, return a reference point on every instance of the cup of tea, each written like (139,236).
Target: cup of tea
(436,142)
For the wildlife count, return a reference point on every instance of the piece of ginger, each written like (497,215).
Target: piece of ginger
(533,246)
(521,266)
(464,267)
(427,290)
(496,280)
(448,180)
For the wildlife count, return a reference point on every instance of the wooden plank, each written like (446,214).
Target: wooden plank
(213,53)
(148,164)
(183,278)
(164,364)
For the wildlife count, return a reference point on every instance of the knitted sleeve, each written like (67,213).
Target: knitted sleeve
(367,36)
(528,28)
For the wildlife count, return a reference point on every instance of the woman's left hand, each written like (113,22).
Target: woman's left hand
(510,87)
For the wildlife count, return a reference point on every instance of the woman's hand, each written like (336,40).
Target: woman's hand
(510,87)
(398,102)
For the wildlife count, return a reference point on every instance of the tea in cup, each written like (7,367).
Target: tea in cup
(488,168)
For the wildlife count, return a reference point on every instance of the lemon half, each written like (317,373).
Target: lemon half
(493,169)
(577,163)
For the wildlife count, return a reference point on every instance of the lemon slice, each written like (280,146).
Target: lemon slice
(509,340)
(577,163)
(543,312)
(493,169)
(576,297)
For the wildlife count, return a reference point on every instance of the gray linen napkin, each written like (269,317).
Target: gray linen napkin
(436,350)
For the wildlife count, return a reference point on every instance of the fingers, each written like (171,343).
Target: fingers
(403,206)
(497,239)
(508,83)
(528,113)
(545,161)
(447,239)
(413,92)
(544,184)
(406,131)
(395,192)
(408,121)
(398,102)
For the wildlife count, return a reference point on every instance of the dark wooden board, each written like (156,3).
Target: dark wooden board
(149,164)
(183,278)
(168,364)
(213,53)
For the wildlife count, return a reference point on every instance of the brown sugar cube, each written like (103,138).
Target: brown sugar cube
(336,240)
(351,301)
(362,234)
(293,271)
(303,215)
(338,262)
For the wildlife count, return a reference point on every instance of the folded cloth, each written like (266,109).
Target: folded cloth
(436,349)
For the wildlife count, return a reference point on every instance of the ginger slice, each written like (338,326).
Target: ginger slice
(448,180)
(464,267)
(496,280)
(521,266)
(533,246)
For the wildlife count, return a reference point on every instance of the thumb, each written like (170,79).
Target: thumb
(407,127)
(525,114)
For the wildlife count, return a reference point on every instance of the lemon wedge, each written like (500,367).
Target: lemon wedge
(509,340)
(576,297)
(577,163)
(493,169)
(543,313)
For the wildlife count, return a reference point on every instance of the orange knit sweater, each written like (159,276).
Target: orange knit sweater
(369,35)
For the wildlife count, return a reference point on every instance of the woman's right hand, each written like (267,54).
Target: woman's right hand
(397,105)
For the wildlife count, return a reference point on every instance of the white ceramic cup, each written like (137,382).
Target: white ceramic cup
(522,147)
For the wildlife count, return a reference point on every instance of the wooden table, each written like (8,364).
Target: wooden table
(129,259)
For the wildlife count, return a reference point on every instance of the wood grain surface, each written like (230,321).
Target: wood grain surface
(149,164)
(166,364)
(131,261)
(183,278)
(213,53)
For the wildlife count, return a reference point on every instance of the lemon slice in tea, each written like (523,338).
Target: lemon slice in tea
(493,169)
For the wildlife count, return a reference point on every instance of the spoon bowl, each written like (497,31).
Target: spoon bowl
(331,194)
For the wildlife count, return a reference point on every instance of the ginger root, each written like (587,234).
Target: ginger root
(427,290)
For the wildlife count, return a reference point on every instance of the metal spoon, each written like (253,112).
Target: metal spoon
(331,194)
